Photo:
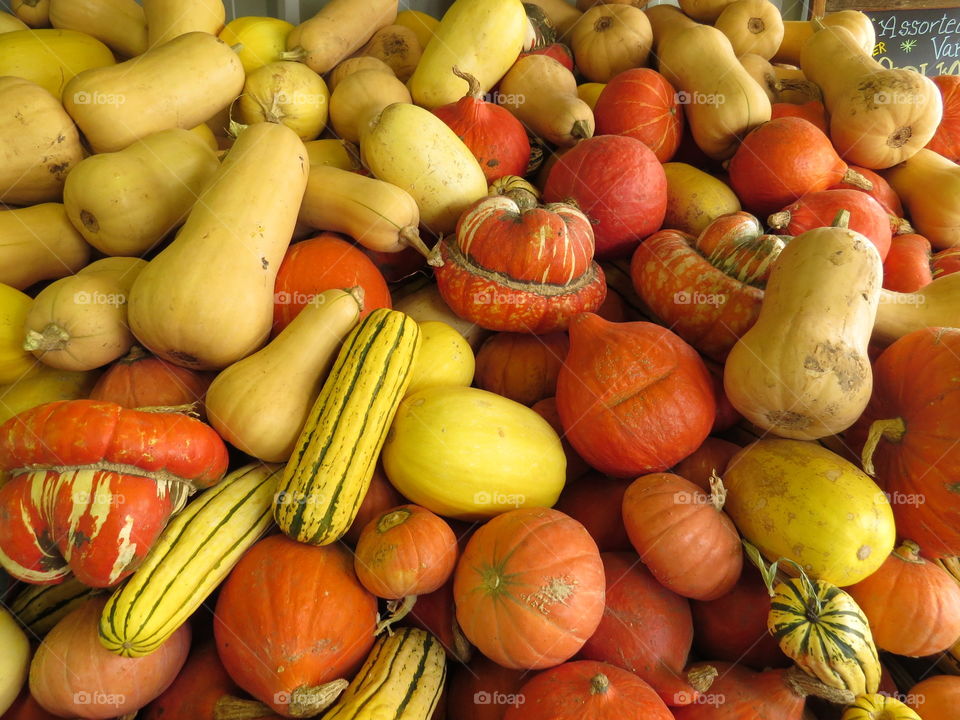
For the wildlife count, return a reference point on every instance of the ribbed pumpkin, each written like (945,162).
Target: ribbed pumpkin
(645,629)
(907,267)
(291,618)
(913,605)
(682,534)
(619,184)
(878,707)
(936,698)
(633,397)
(587,690)
(946,140)
(641,104)
(595,501)
(783,160)
(908,433)
(519,267)
(140,379)
(521,367)
(495,137)
(529,588)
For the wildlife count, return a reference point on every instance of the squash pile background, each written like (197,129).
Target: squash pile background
(543,361)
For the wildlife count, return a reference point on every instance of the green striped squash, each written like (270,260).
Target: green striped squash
(193,555)
(401,679)
(39,607)
(331,466)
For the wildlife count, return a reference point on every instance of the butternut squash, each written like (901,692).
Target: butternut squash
(169,19)
(422,24)
(178,84)
(609,39)
(9,23)
(206,300)
(665,20)
(752,26)
(933,305)
(261,403)
(289,93)
(39,144)
(398,47)
(35,13)
(704,11)
(338,31)
(335,153)
(483,39)
(542,94)
(782,85)
(929,186)
(353,65)
(121,25)
(44,385)
(124,203)
(360,97)
(257,40)
(562,14)
(39,243)
(50,58)
(14,360)
(80,322)
(378,215)
(878,117)
(413,149)
(722,101)
(802,370)
(797,32)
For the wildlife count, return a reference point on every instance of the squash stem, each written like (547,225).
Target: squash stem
(804,685)
(233,708)
(398,611)
(842,220)
(51,338)
(779,220)
(392,519)
(901,226)
(295,55)
(579,130)
(718,493)
(473,90)
(702,678)
(891,430)
(308,701)
(410,236)
(462,649)
(599,684)
(852,177)
(909,551)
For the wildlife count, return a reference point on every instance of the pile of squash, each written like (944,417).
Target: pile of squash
(537,362)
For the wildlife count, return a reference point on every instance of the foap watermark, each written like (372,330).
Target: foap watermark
(698,298)
(892,97)
(81,497)
(497,298)
(688,698)
(298,97)
(99,698)
(296,497)
(98,98)
(685,97)
(499,98)
(901,498)
(897,298)
(84,297)
(482,697)
(682,497)
(296,297)
(498,498)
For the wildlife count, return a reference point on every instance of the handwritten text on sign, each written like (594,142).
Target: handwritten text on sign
(927,41)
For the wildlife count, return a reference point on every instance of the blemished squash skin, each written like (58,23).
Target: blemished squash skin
(338,30)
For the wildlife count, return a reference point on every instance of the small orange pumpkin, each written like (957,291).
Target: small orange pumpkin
(140,379)
(521,367)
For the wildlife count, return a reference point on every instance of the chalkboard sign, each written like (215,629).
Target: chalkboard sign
(927,41)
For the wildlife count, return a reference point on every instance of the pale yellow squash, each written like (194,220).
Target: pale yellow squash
(415,150)
(338,30)
(425,304)
(334,153)
(14,661)
(14,360)
(121,25)
(289,93)
(124,203)
(397,47)
(802,370)
(35,13)
(206,300)
(181,84)
(51,58)
(445,358)
(470,454)
(589,92)
(933,305)
(752,26)
(169,19)
(204,132)
(422,24)
(39,144)
(39,243)
(261,403)
(481,38)
(360,97)
(257,40)
(9,23)
(43,385)
(929,186)
(354,65)
(695,198)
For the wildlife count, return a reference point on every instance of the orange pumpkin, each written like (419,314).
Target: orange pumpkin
(907,266)
(521,367)
(199,688)
(682,534)
(140,380)
(946,140)
(936,698)
(529,588)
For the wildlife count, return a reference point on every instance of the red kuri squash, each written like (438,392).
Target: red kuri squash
(907,267)
(529,588)
(594,500)
(881,190)
(633,397)
(521,367)
(936,698)
(812,111)
(199,689)
(140,379)
(945,262)
(946,140)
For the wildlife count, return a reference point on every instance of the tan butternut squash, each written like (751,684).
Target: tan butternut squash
(39,144)
(609,39)
(257,40)
(802,370)
(336,32)
(39,243)
(181,84)
(482,39)
(261,403)
(933,305)
(169,19)
(376,214)
(412,148)
(752,26)
(50,58)
(360,97)
(124,203)
(35,13)
(722,101)
(542,94)
(9,23)
(797,32)
(121,25)
(206,300)
(79,322)
(353,65)
(666,19)
(704,11)
(929,186)
(421,23)
(562,14)
(396,46)
(335,153)
(878,117)
(289,93)
(779,83)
